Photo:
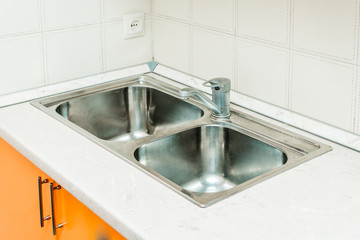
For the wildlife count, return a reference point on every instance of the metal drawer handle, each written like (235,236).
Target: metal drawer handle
(42,219)
(52,208)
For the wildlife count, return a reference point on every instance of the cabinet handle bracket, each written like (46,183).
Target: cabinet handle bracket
(42,219)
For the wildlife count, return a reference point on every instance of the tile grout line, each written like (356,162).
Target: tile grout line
(43,44)
(25,34)
(357,104)
(190,20)
(236,47)
(256,41)
(152,33)
(356,94)
(290,58)
(102,37)
(354,121)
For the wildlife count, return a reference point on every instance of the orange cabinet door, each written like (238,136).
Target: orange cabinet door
(19,205)
(79,221)
(19,197)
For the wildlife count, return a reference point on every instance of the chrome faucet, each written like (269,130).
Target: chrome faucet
(220,103)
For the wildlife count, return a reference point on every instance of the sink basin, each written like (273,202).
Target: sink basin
(143,121)
(127,113)
(209,158)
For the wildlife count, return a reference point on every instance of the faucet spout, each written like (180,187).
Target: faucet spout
(220,103)
(185,93)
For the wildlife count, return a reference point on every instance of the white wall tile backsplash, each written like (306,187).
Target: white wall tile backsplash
(209,60)
(263,72)
(316,89)
(263,19)
(116,9)
(120,52)
(65,13)
(73,53)
(43,42)
(21,63)
(326,27)
(214,13)
(322,37)
(19,17)
(171,44)
(175,8)
(357,103)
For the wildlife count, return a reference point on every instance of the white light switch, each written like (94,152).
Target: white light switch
(134,25)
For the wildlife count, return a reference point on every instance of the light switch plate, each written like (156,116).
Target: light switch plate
(134,25)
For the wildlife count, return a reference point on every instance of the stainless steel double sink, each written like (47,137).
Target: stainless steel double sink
(144,121)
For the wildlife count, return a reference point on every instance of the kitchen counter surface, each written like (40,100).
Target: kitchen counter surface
(319,199)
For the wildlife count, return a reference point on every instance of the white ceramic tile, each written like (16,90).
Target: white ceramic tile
(73,53)
(66,13)
(264,19)
(172,44)
(116,9)
(214,13)
(18,16)
(175,8)
(120,52)
(262,72)
(20,64)
(357,104)
(213,54)
(323,90)
(326,27)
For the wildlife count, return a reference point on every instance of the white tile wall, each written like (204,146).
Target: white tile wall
(264,20)
(263,72)
(323,90)
(19,16)
(171,44)
(116,9)
(214,13)
(321,35)
(326,27)
(21,63)
(174,8)
(73,53)
(65,13)
(120,52)
(208,59)
(46,41)
(357,103)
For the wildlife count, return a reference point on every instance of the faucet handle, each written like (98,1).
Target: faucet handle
(219,84)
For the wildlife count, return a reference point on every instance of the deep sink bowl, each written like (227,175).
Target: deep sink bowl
(128,113)
(143,121)
(209,158)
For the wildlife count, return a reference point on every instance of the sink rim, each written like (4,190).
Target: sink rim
(238,121)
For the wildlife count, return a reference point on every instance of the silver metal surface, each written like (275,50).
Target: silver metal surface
(144,121)
(52,206)
(127,113)
(186,93)
(40,183)
(60,225)
(220,103)
(210,158)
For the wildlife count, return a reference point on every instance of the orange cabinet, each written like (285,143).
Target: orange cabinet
(20,205)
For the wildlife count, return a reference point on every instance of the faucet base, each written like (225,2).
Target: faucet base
(220,117)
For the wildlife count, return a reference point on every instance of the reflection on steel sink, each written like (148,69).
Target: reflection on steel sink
(143,121)
(210,158)
(127,113)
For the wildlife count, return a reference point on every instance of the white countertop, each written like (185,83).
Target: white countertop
(319,199)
